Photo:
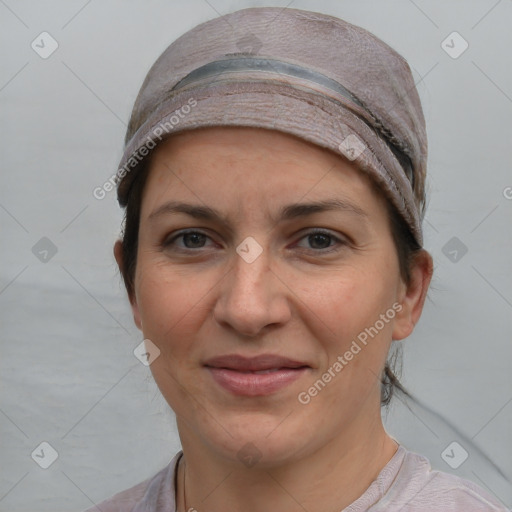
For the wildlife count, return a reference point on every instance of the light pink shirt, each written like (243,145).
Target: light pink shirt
(406,484)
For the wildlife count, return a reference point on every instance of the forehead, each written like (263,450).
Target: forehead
(250,167)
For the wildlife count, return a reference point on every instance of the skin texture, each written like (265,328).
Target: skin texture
(305,297)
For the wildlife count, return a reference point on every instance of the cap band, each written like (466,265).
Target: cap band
(269,65)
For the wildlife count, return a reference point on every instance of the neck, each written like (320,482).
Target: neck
(330,478)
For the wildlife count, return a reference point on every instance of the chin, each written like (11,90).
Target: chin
(255,438)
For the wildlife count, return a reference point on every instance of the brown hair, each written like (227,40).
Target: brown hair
(405,243)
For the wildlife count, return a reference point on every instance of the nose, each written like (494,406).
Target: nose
(252,297)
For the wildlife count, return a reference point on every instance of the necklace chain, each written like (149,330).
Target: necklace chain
(184,492)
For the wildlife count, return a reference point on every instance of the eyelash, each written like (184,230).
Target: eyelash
(341,243)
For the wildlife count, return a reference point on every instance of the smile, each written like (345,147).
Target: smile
(256,376)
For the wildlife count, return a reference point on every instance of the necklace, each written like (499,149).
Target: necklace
(184,493)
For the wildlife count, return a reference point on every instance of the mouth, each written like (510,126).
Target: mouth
(256,376)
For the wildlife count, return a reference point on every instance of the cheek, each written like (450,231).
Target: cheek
(348,300)
(350,303)
(169,303)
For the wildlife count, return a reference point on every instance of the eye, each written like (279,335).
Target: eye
(319,240)
(191,240)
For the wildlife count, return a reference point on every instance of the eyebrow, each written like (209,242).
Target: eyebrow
(288,212)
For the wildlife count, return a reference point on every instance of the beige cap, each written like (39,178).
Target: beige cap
(303,73)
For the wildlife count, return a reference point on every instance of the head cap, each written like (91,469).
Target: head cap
(307,74)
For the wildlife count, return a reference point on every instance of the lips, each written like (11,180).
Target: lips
(262,363)
(255,376)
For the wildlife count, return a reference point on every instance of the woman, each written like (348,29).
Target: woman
(273,180)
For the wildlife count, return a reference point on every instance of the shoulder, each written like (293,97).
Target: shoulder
(418,488)
(451,492)
(123,501)
(153,494)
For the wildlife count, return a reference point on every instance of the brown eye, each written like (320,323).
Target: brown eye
(190,239)
(322,241)
(319,240)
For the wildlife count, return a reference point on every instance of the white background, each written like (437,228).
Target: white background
(69,376)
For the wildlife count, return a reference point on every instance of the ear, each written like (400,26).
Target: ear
(118,255)
(412,297)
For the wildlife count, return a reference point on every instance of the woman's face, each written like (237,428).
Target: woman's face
(262,275)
